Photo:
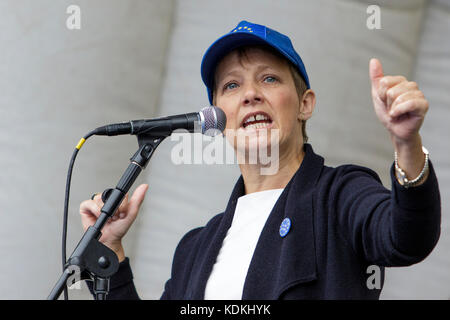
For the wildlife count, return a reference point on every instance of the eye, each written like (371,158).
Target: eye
(230,86)
(270,79)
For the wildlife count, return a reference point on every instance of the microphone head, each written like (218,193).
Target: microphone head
(213,120)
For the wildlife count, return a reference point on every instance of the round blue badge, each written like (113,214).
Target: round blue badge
(284,227)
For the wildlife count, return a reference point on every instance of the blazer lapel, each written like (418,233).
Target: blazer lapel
(279,263)
(211,245)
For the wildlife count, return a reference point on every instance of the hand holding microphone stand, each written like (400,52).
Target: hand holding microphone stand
(92,259)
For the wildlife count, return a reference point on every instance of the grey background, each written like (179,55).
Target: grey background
(141,58)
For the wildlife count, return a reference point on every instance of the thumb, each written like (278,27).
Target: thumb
(375,72)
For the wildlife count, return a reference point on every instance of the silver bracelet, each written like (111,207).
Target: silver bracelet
(401,175)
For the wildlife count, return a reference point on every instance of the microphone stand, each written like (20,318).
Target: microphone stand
(92,259)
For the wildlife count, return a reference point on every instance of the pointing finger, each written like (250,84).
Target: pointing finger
(136,200)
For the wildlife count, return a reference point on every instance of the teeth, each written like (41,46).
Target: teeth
(258,117)
(257,126)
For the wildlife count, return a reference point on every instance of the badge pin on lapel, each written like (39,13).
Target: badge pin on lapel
(285,227)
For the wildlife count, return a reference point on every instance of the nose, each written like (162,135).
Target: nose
(251,95)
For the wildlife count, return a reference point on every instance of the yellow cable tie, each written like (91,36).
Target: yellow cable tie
(80,143)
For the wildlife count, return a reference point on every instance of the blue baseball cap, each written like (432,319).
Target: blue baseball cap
(247,33)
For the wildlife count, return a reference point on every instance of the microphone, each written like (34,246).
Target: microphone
(208,118)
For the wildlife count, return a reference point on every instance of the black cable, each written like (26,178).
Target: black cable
(66,202)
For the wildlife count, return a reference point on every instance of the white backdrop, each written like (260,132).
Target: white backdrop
(136,59)
(56,86)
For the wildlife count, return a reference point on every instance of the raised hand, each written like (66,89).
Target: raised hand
(398,103)
(401,108)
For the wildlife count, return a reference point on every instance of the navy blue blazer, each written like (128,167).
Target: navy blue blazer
(342,221)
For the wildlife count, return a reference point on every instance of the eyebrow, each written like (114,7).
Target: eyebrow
(260,68)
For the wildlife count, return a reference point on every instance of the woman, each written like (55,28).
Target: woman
(306,231)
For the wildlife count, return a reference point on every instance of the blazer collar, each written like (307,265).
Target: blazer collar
(278,262)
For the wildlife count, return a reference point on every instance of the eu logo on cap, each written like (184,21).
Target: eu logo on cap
(245,26)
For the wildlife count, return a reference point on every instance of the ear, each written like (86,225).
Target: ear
(307,105)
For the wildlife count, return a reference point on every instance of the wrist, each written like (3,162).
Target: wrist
(405,180)
(409,155)
(411,145)
(117,248)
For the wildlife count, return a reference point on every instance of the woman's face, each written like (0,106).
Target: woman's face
(258,95)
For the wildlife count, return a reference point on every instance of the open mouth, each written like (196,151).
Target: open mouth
(257,120)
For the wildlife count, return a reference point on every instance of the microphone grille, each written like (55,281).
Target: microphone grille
(214,119)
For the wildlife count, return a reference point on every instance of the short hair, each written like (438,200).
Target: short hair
(299,82)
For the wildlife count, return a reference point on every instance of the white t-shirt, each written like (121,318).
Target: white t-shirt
(227,278)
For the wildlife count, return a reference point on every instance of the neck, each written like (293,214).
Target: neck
(288,164)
